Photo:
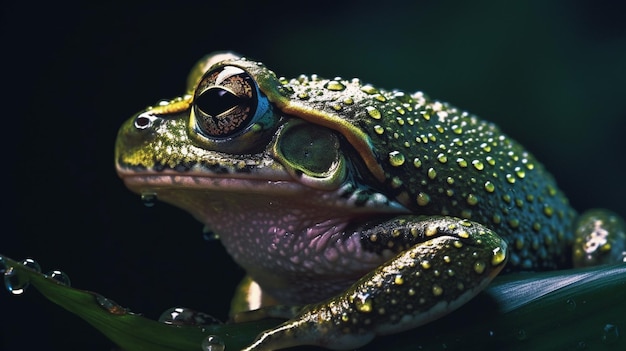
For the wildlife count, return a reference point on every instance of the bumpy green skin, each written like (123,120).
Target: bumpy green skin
(439,160)
(335,180)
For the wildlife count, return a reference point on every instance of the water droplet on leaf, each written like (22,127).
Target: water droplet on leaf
(14,282)
(187,316)
(60,277)
(213,343)
(32,264)
(110,305)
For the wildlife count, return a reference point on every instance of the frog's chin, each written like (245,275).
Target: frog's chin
(159,183)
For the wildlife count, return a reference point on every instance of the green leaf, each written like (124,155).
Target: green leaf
(581,309)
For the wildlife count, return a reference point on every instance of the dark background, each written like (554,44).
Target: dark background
(552,74)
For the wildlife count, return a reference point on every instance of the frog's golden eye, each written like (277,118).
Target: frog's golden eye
(225,102)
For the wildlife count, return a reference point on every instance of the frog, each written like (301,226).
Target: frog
(355,211)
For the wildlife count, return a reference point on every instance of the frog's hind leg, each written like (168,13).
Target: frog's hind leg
(450,262)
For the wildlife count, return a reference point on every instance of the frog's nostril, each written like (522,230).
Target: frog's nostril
(144,121)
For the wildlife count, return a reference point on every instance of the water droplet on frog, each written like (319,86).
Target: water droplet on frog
(60,277)
(187,316)
(610,334)
(209,235)
(15,283)
(148,199)
(32,264)
(110,305)
(213,343)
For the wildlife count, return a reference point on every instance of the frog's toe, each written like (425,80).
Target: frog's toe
(600,238)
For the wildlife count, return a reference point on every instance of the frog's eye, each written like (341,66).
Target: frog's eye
(225,102)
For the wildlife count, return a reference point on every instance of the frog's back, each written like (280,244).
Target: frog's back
(459,165)
(438,160)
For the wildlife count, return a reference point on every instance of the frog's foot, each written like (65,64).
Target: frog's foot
(600,239)
(450,262)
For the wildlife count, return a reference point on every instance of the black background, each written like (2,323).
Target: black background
(552,74)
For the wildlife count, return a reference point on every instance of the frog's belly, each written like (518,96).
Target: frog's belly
(303,267)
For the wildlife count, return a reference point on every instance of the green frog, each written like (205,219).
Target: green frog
(355,211)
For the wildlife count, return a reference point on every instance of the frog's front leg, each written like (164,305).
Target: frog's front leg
(447,262)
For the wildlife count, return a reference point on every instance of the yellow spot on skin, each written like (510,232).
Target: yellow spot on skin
(380,98)
(514,222)
(498,257)
(373,112)
(510,178)
(423,199)
(431,230)
(348,101)
(519,243)
(463,234)
(425,264)
(335,86)
(363,303)
(368,89)
(536,226)
(461,162)
(437,290)
(450,180)
(551,190)
(478,165)
(496,219)
(457,244)
(490,187)
(447,259)
(417,162)
(520,172)
(479,267)
(396,158)
(548,211)
(378,129)
(396,182)
(432,173)
(398,280)
(442,158)
(491,160)
(472,199)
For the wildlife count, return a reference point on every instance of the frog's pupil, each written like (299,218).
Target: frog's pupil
(216,100)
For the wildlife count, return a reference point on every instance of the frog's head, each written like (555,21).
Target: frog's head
(241,136)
